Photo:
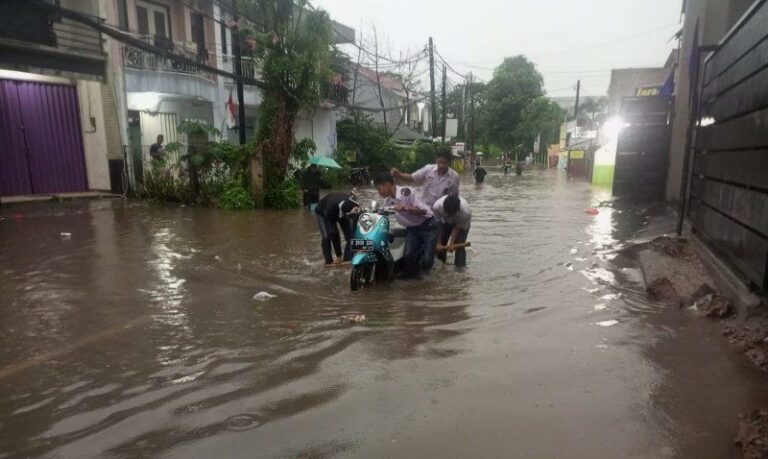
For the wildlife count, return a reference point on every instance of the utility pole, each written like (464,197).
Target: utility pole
(432,98)
(445,120)
(576,109)
(239,81)
(471,130)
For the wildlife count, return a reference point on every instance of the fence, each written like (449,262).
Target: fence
(139,59)
(729,185)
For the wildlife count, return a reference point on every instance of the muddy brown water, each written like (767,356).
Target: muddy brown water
(137,336)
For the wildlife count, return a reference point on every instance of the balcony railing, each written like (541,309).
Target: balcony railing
(251,68)
(140,59)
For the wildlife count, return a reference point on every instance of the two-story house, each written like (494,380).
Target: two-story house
(58,129)
(76,104)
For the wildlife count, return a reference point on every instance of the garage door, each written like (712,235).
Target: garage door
(41,147)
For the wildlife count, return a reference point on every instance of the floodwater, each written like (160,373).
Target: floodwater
(137,336)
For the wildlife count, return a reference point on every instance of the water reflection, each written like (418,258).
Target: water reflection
(139,336)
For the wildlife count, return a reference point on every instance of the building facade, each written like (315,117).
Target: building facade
(112,97)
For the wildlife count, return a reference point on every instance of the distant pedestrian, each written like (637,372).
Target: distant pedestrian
(310,184)
(157,153)
(480,172)
(436,180)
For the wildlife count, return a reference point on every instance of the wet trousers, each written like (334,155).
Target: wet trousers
(329,234)
(461,254)
(420,243)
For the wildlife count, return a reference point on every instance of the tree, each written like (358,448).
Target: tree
(292,44)
(541,116)
(593,106)
(516,84)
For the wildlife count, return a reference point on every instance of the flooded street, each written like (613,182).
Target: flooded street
(137,336)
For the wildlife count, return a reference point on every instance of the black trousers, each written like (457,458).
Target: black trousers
(329,233)
(461,254)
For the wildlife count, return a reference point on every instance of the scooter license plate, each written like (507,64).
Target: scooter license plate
(361,245)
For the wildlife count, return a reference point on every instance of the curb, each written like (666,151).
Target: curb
(746,302)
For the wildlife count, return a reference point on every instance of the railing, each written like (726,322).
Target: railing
(140,59)
(250,67)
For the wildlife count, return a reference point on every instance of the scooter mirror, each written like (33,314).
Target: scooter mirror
(374,206)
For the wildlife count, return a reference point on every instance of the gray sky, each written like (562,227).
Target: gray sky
(567,39)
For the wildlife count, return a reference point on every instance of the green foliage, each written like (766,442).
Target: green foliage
(236,197)
(540,116)
(516,84)
(303,150)
(163,185)
(359,137)
(200,171)
(292,44)
(286,195)
(336,178)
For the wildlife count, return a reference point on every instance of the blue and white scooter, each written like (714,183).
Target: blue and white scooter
(377,248)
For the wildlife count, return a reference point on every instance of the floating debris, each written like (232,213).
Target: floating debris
(353,319)
(263,296)
(65,235)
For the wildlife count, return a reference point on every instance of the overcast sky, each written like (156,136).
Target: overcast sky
(567,39)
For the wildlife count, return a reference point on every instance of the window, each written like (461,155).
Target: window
(122,14)
(198,33)
(153,20)
(223,40)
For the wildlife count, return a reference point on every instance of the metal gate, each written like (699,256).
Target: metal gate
(642,152)
(41,147)
(728,204)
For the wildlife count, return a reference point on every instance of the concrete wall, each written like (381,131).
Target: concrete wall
(94,136)
(715,19)
(321,128)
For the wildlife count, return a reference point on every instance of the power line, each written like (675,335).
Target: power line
(607,43)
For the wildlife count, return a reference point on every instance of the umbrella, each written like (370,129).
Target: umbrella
(325,162)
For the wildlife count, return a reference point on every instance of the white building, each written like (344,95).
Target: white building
(161,93)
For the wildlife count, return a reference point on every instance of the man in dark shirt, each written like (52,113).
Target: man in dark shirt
(480,172)
(156,153)
(334,210)
(310,184)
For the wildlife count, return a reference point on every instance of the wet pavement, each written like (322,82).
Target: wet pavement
(137,336)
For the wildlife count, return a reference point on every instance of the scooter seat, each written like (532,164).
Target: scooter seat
(395,233)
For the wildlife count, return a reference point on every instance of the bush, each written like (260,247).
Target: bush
(165,185)
(286,195)
(236,197)
(336,178)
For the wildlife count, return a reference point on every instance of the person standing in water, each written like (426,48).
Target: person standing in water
(333,211)
(436,180)
(480,172)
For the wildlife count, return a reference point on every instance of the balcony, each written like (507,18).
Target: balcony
(138,59)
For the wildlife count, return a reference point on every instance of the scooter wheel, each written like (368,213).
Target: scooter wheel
(356,278)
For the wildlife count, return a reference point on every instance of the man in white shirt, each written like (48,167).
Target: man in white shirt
(436,180)
(416,217)
(454,217)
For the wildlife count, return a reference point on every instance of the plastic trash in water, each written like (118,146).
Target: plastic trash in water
(592,211)
(263,296)
(66,235)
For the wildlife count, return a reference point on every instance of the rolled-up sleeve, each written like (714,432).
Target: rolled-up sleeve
(420,175)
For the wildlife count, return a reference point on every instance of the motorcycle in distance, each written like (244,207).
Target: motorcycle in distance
(377,248)
(359,176)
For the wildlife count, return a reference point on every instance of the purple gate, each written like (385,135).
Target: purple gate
(41,147)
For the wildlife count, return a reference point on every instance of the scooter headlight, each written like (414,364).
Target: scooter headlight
(365,222)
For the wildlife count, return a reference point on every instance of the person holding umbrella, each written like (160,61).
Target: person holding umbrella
(312,177)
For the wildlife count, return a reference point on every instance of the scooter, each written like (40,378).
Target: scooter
(377,248)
